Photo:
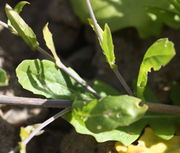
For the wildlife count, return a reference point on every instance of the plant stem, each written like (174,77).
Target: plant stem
(123,82)
(45,123)
(99,34)
(64,68)
(38,102)
(12,100)
(94,20)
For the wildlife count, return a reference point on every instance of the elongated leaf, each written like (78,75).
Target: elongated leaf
(18,8)
(23,30)
(3,78)
(44,78)
(108,47)
(49,41)
(110,112)
(157,55)
(106,43)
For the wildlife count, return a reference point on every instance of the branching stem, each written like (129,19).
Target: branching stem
(64,68)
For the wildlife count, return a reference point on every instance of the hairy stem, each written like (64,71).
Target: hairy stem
(12,100)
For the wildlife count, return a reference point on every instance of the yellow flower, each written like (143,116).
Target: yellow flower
(150,143)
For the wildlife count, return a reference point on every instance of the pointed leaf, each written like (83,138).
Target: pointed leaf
(109,112)
(44,78)
(3,78)
(18,8)
(49,41)
(23,30)
(108,47)
(157,55)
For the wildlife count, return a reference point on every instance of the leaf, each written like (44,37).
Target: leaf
(128,134)
(108,47)
(3,78)
(25,133)
(121,14)
(104,89)
(49,41)
(44,78)
(109,112)
(150,143)
(157,55)
(18,8)
(106,43)
(23,30)
(175,94)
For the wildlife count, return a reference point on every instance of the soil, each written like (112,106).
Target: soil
(78,47)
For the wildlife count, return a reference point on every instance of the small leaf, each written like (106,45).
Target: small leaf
(49,41)
(18,8)
(25,133)
(3,78)
(110,112)
(23,30)
(106,43)
(157,55)
(108,47)
(44,78)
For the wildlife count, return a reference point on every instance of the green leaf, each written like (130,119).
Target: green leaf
(109,112)
(104,89)
(3,78)
(121,14)
(18,8)
(108,47)
(23,30)
(131,133)
(44,78)
(157,55)
(175,94)
(106,43)
(126,135)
